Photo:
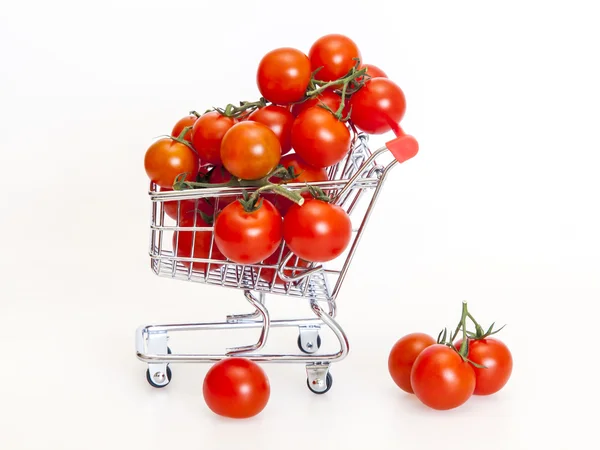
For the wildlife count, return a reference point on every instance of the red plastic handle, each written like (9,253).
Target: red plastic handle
(404,146)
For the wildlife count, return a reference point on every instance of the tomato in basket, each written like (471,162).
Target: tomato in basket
(166,158)
(334,54)
(207,134)
(198,241)
(248,235)
(187,207)
(317,231)
(184,122)
(294,266)
(283,75)
(279,120)
(320,138)
(326,98)
(378,106)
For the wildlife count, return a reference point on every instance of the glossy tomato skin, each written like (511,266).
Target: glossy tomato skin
(335,53)
(305,174)
(237,388)
(187,121)
(496,357)
(185,241)
(283,75)
(165,159)
(327,98)
(270,275)
(317,231)
(373,71)
(250,150)
(207,135)
(441,379)
(248,237)
(378,106)
(403,355)
(320,138)
(279,120)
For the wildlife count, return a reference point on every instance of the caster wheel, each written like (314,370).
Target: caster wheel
(169,375)
(328,383)
(312,350)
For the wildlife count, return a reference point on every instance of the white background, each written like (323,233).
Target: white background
(500,208)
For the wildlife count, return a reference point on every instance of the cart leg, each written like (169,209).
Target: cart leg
(158,374)
(235,318)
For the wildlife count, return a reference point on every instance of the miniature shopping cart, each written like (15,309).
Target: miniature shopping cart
(355,184)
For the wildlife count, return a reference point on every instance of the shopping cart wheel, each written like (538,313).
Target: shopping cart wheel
(317,390)
(309,340)
(160,379)
(308,347)
(159,376)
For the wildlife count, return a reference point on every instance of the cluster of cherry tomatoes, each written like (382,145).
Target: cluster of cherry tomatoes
(300,127)
(445,373)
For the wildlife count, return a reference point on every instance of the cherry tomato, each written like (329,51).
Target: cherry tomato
(305,174)
(373,71)
(403,355)
(320,138)
(441,379)
(328,97)
(250,150)
(378,106)
(279,120)
(184,122)
(317,231)
(294,263)
(237,388)
(217,176)
(335,53)
(207,135)
(283,75)
(166,158)
(248,237)
(186,206)
(496,357)
(199,241)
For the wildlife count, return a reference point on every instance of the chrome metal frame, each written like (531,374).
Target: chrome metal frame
(358,178)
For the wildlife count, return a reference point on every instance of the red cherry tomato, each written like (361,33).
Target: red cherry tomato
(295,264)
(320,138)
(283,75)
(373,71)
(335,53)
(317,231)
(441,379)
(166,158)
(248,237)
(237,388)
(378,106)
(207,135)
(186,206)
(250,150)
(184,122)
(195,244)
(279,120)
(328,98)
(217,176)
(403,355)
(496,357)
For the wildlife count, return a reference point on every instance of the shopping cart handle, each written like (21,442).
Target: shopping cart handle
(403,147)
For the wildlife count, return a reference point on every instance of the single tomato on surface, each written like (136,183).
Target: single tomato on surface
(378,106)
(317,231)
(237,388)
(279,120)
(195,244)
(497,359)
(184,122)
(441,379)
(283,75)
(207,134)
(248,237)
(250,150)
(335,54)
(166,158)
(403,355)
(320,138)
